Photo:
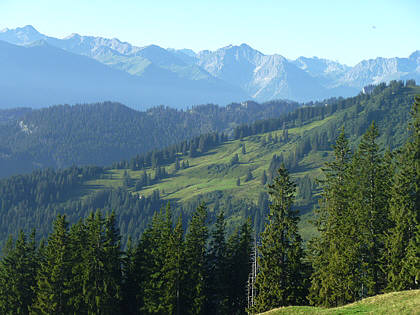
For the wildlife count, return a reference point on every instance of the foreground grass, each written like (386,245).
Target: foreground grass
(404,302)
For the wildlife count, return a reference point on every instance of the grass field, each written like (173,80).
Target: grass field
(396,303)
(213,171)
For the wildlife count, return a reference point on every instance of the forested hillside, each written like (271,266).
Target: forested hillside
(182,259)
(227,173)
(103,133)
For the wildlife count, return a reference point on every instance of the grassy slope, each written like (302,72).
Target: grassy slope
(405,302)
(202,178)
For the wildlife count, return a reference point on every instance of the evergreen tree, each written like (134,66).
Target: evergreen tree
(195,260)
(217,268)
(18,269)
(155,245)
(371,185)
(54,273)
(402,255)
(239,247)
(175,271)
(333,254)
(280,280)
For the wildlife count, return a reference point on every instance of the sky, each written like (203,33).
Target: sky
(341,30)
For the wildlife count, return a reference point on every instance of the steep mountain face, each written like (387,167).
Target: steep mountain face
(379,70)
(272,76)
(21,35)
(322,68)
(231,73)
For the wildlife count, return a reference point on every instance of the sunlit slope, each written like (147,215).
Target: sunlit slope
(214,171)
(401,303)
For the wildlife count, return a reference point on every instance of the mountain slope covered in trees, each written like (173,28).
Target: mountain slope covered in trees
(228,174)
(368,239)
(103,133)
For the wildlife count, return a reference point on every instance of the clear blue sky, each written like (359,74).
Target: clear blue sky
(347,31)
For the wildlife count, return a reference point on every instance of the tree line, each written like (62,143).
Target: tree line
(81,269)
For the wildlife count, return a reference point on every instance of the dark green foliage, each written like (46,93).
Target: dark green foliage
(281,279)
(54,273)
(369,195)
(195,259)
(217,289)
(402,254)
(331,255)
(104,133)
(238,267)
(18,269)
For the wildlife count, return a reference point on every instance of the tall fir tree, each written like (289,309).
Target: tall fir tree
(280,280)
(195,259)
(371,181)
(18,269)
(238,260)
(333,256)
(54,273)
(217,268)
(402,255)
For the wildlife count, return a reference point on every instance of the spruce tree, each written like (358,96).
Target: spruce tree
(18,269)
(402,255)
(195,260)
(55,272)
(217,268)
(280,280)
(333,254)
(155,243)
(238,261)
(370,188)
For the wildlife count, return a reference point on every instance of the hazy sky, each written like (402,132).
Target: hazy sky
(347,31)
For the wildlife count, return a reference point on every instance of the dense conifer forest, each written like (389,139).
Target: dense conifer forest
(100,134)
(131,258)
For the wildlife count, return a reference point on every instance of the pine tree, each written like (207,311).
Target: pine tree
(371,184)
(333,254)
(112,266)
(175,270)
(402,255)
(217,268)
(155,245)
(280,280)
(55,272)
(18,269)
(239,247)
(195,260)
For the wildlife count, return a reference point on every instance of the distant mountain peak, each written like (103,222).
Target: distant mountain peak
(29,28)
(72,35)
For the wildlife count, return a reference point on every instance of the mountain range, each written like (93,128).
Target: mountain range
(81,69)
